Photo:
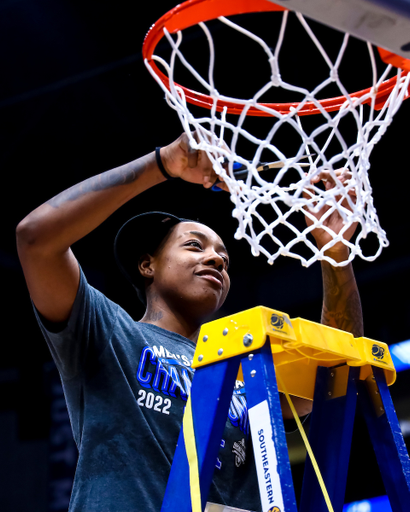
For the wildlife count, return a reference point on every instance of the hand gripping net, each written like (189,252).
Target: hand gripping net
(271,205)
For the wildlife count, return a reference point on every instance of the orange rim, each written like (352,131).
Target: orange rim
(193,12)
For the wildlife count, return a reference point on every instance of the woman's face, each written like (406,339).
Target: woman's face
(190,269)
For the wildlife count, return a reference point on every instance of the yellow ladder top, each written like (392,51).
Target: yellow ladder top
(298,347)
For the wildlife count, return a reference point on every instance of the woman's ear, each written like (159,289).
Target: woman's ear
(145,266)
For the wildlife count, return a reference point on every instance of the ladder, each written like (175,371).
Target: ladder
(272,353)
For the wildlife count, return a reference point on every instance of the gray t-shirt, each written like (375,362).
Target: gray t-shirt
(126,384)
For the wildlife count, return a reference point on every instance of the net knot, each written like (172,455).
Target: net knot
(275,76)
(334,75)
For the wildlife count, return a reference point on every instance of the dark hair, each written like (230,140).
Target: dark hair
(141,235)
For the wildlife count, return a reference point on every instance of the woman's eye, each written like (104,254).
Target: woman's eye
(194,243)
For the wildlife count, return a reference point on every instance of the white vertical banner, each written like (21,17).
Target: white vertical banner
(265,458)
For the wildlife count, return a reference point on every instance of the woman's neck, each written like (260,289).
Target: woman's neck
(171,321)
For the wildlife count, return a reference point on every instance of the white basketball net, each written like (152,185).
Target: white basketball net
(251,192)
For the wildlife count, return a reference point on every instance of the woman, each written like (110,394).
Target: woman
(126,382)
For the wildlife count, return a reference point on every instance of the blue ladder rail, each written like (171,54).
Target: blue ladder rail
(336,390)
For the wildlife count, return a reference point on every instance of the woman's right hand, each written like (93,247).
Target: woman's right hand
(181,161)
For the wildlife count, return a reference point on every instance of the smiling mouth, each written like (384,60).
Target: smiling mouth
(212,278)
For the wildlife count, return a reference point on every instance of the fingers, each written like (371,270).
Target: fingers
(338,179)
(192,157)
(205,169)
(329,176)
(191,152)
(192,165)
(204,165)
(220,185)
(330,179)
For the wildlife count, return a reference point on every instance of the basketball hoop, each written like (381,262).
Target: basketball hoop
(370,110)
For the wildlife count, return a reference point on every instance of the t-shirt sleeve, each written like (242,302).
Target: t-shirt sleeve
(86,333)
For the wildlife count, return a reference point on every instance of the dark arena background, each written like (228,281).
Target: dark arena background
(76,100)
